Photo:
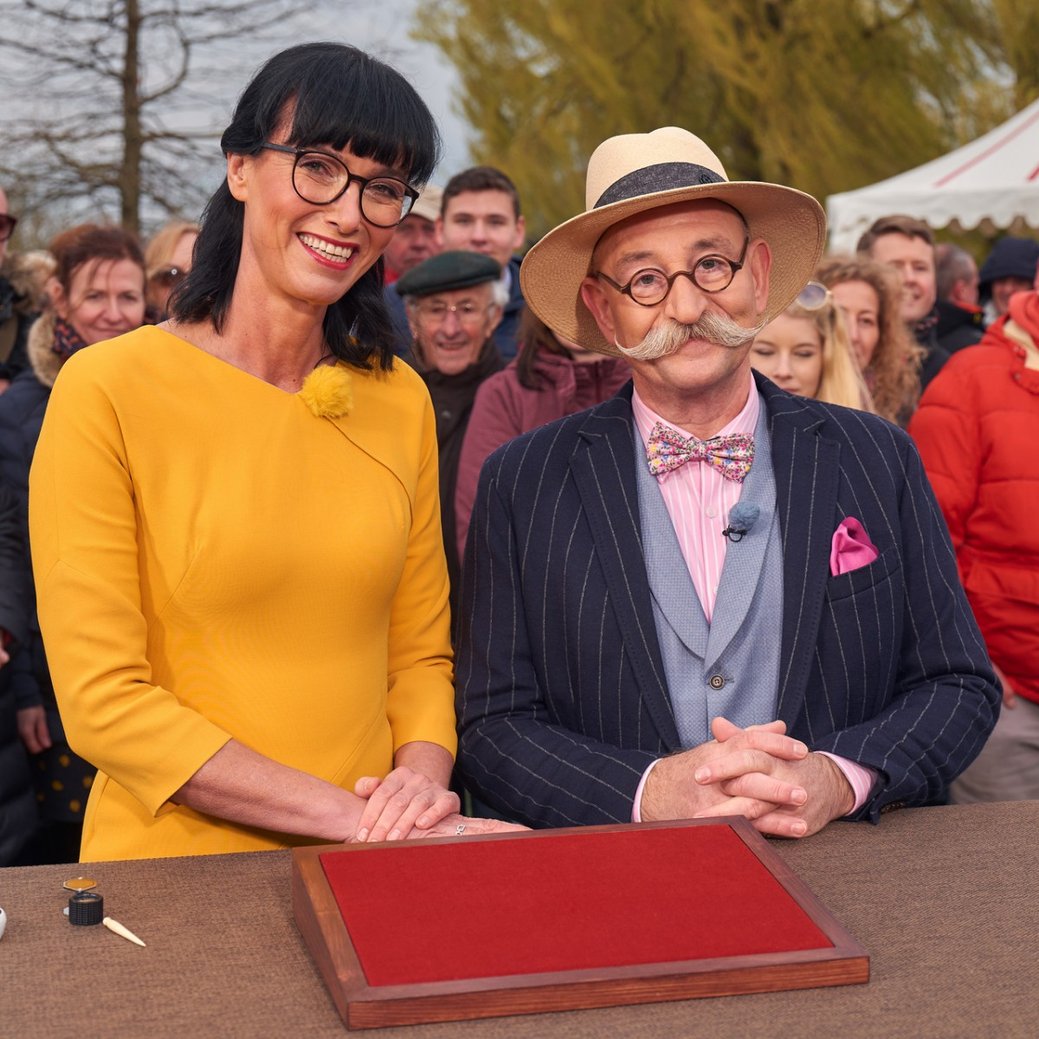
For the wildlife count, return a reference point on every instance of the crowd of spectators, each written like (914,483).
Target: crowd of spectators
(915,332)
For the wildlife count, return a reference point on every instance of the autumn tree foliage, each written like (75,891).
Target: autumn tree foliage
(823,95)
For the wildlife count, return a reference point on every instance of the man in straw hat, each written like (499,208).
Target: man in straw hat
(705,596)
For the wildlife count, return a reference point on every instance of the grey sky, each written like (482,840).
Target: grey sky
(382,28)
(220,71)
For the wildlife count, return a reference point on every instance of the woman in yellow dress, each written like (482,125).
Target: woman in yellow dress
(234,515)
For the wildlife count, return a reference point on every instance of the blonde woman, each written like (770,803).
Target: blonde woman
(168,260)
(868,295)
(806,351)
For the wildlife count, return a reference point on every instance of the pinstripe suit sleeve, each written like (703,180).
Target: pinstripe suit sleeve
(522,747)
(943,699)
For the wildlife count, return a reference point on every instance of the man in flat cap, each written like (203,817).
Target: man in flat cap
(706,596)
(454,302)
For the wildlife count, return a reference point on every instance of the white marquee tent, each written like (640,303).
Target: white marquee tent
(993,180)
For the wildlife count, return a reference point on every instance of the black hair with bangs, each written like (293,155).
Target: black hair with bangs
(338,96)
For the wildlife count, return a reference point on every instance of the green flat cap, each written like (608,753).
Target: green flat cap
(448,271)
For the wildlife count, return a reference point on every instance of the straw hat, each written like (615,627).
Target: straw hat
(634,173)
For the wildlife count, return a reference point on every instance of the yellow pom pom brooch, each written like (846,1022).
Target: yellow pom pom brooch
(328,391)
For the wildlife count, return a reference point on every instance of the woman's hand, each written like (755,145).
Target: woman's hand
(404,800)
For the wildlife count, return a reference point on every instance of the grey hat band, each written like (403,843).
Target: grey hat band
(665,176)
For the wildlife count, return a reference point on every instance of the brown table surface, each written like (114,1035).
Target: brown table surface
(946,901)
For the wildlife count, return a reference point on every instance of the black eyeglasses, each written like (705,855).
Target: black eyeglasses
(7,225)
(321,177)
(651,286)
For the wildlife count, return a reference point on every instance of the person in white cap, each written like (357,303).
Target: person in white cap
(415,238)
(705,596)
(414,241)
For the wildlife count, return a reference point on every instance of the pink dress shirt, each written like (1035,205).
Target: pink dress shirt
(698,499)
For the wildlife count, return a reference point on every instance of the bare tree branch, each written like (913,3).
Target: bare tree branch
(106,97)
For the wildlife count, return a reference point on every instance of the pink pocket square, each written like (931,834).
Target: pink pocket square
(851,548)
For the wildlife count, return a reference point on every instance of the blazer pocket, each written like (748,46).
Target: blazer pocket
(865,577)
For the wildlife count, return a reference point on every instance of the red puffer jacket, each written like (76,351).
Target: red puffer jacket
(977,428)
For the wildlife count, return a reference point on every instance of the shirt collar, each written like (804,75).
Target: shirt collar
(745,422)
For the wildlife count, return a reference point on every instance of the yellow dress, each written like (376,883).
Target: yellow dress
(217,558)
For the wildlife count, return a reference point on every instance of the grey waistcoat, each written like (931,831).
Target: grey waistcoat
(729,667)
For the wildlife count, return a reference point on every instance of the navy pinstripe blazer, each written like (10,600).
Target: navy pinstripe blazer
(562,699)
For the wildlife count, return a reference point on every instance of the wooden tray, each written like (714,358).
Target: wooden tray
(486,926)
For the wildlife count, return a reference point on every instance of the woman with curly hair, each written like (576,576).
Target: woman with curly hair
(95,291)
(868,295)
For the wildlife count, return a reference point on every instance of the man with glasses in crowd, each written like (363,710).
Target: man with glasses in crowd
(454,302)
(705,596)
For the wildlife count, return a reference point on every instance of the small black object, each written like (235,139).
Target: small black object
(742,516)
(86,908)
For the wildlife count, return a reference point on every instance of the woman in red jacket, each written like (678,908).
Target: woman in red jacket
(977,428)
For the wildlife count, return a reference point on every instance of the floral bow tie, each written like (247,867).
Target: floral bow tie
(730,455)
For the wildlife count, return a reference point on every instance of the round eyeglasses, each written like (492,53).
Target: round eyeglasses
(467,313)
(650,285)
(321,177)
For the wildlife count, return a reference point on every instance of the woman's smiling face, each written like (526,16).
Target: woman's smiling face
(312,254)
(105,299)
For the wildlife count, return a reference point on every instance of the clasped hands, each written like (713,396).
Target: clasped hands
(758,772)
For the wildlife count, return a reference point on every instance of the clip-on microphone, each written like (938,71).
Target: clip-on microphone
(742,516)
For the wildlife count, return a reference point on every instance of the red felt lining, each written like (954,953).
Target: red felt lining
(423,913)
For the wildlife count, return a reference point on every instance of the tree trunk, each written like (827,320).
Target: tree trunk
(130,174)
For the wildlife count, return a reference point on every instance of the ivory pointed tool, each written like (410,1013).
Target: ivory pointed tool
(124,932)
